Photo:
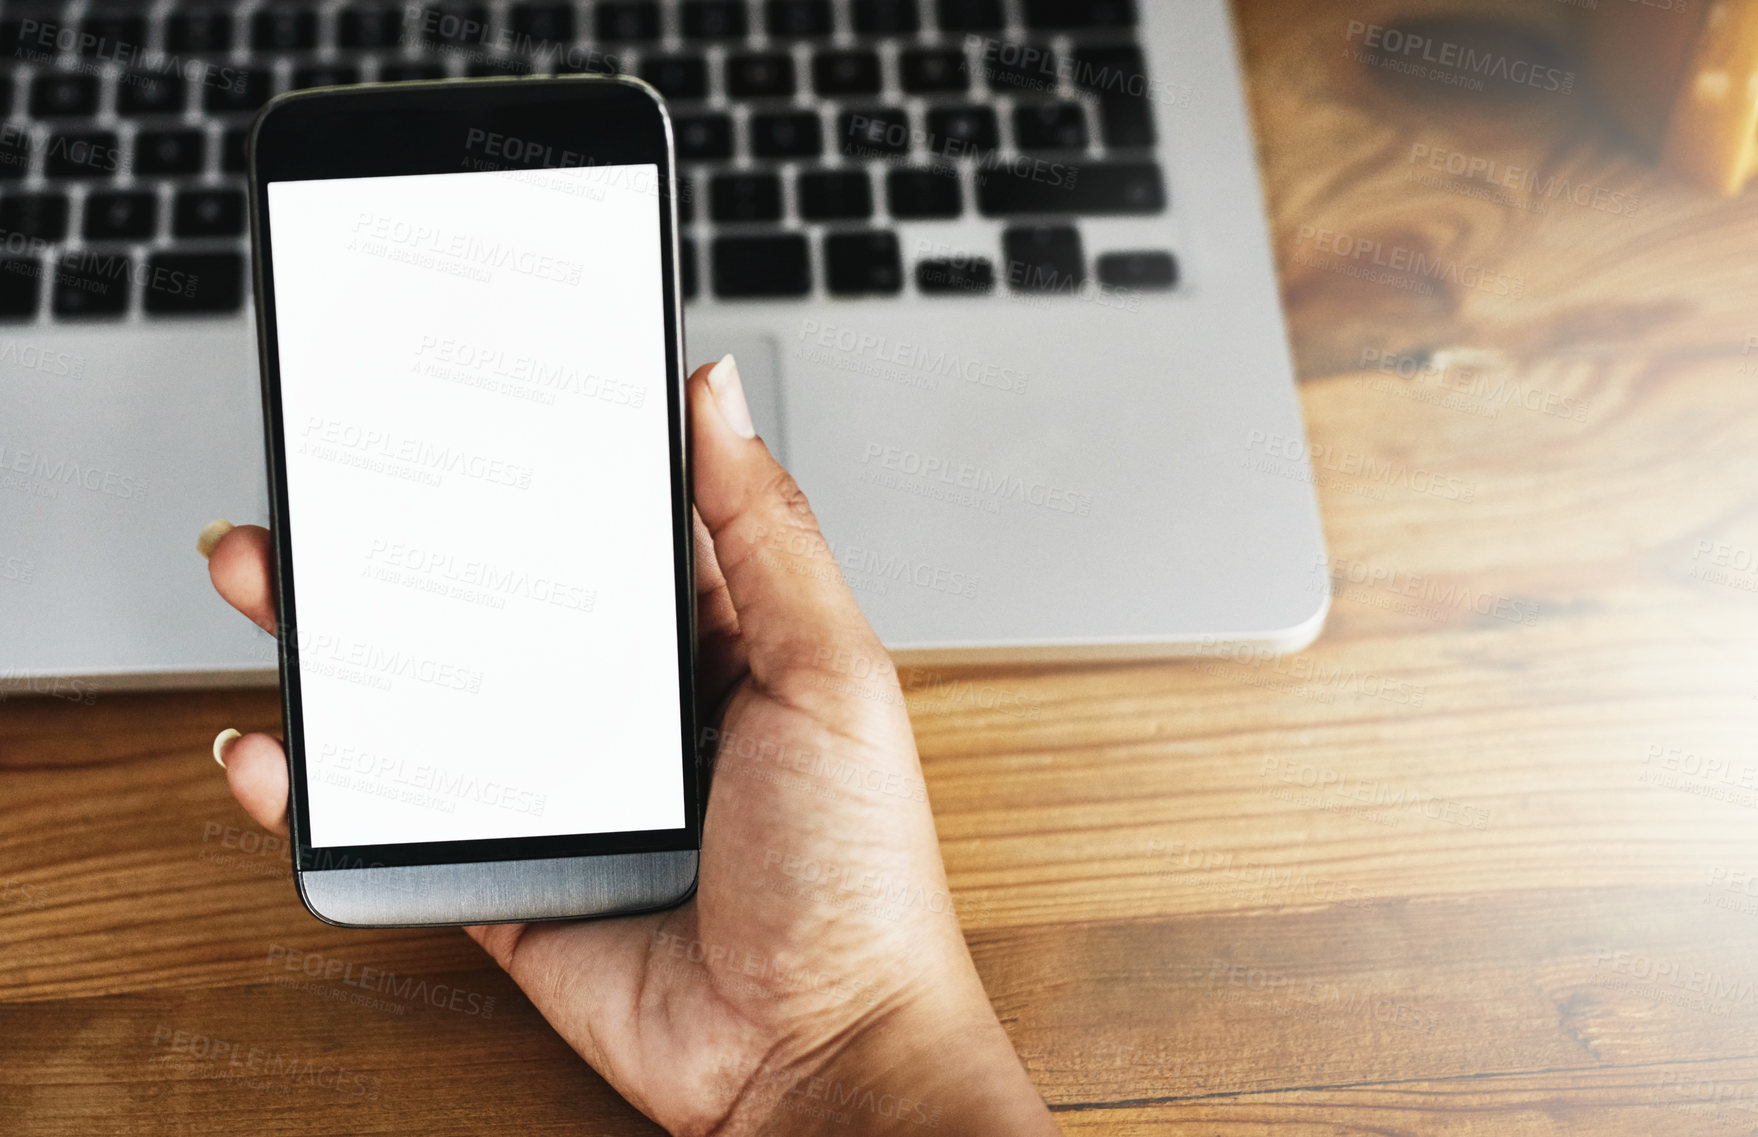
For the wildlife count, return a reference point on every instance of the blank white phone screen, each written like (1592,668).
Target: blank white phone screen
(479,490)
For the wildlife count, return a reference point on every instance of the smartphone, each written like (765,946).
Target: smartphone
(472,363)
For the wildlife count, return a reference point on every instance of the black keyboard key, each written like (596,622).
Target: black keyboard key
(189,284)
(624,21)
(1128,123)
(410,72)
(857,264)
(1044,259)
(797,134)
(960,130)
(677,76)
(846,73)
(6,86)
(887,17)
(797,19)
(541,25)
(209,213)
(930,71)
(745,197)
(973,276)
(170,151)
(1058,14)
(238,90)
(1050,126)
(753,267)
(1111,72)
(21,283)
(91,284)
(283,27)
(330,75)
(131,216)
(691,282)
(35,216)
(1018,68)
(760,76)
(883,133)
(441,25)
(369,26)
(62,95)
(150,92)
(15,151)
(235,151)
(704,138)
(972,15)
(1150,270)
(836,195)
(1096,188)
(716,19)
(80,154)
(113,36)
(198,33)
(924,194)
(17,42)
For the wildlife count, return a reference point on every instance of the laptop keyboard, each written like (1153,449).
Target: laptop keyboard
(807,134)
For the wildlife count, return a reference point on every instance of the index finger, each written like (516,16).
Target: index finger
(239,568)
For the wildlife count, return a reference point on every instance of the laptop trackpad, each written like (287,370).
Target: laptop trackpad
(759,371)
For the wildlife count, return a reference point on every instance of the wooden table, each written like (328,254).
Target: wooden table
(1480,862)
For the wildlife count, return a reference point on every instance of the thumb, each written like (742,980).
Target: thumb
(795,613)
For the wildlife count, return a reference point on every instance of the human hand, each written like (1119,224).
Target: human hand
(788,996)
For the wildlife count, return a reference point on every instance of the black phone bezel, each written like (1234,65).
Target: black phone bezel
(425,128)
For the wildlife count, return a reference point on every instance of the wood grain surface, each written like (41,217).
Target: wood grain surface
(1482,861)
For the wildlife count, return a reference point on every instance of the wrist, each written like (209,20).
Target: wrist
(936,1065)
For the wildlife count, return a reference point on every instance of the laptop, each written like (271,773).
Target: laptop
(996,273)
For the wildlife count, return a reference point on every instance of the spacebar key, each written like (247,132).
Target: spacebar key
(1039,187)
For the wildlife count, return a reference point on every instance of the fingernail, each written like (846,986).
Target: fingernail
(729,396)
(223,743)
(210,537)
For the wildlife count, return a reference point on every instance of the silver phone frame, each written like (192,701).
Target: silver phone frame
(578,886)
